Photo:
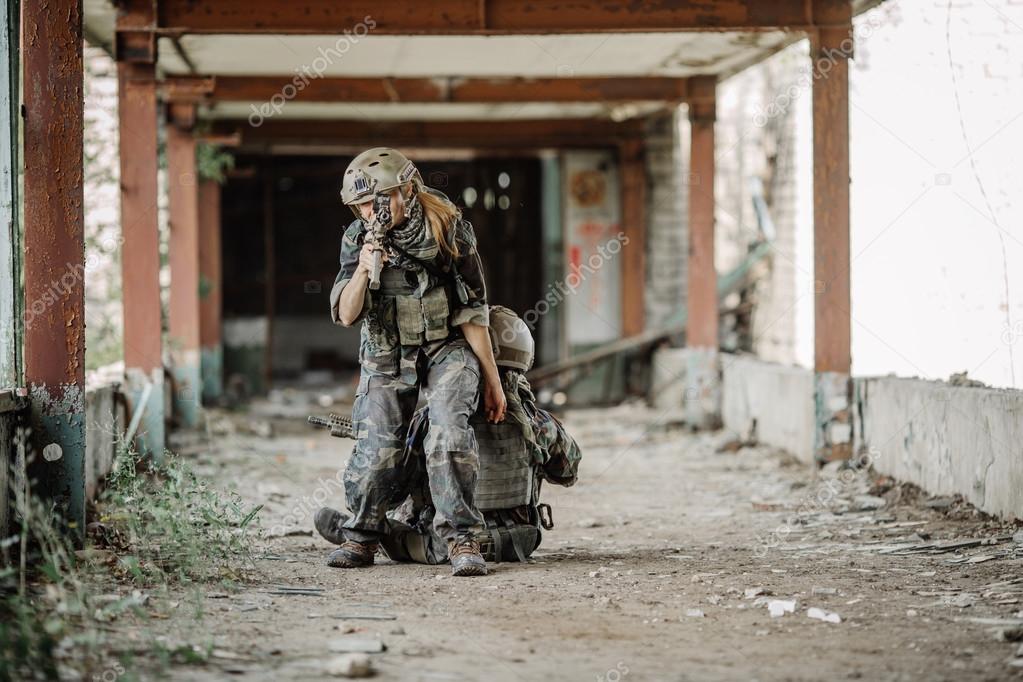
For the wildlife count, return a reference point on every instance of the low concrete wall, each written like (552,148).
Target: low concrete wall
(778,399)
(104,431)
(946,439)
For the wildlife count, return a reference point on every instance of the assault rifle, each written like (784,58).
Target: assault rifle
(340,427)
(381,224)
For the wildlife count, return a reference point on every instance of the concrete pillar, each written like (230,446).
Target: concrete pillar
(54,243)
(210,292)
(702,394)
(633,172)
(830,51)
(183,186)
(140,257)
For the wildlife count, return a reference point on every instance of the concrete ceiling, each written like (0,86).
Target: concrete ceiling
(679,54)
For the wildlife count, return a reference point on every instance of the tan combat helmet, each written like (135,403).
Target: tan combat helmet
(376,170)
(513,344)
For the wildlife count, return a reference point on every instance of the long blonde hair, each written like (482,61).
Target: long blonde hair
(441,215)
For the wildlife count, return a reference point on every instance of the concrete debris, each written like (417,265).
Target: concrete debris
(821,614)
(868,502)
(779,607)
(694,613)
(357,644)
(751,592)
(961,379)
(823,591)
(940,502)
(350,665)
(1017,537)
(962,601)
(261,428)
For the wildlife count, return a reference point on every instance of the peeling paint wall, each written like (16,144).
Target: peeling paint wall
(946,439)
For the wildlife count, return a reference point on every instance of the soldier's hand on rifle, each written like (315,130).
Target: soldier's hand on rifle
(366,256)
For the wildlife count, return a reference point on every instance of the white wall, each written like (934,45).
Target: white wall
(930,258)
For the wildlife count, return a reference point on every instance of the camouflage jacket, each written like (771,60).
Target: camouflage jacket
(414,309)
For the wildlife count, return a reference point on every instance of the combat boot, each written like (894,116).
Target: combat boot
(328,524)
(352,554)
(465,557)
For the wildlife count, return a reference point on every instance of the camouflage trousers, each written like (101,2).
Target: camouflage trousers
(383,472)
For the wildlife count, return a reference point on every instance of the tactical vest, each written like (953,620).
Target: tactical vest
(508,485)
(418,320)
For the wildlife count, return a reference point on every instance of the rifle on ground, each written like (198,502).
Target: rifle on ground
(340,427)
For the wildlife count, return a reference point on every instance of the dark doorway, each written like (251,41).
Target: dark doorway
(500,196)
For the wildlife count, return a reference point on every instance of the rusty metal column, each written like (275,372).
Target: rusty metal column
(140,251)
(54,266)
(183,186)
(702,398)
(210,292)
(830,51)
(633,170)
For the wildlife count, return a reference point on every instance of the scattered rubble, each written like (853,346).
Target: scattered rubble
(779,607)
(821,614)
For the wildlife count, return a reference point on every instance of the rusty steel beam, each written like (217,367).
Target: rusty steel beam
(140,250)
(487,17)
(634,180)
(482,134)
(830,50)
(182,183)
(832,338)
(187,88)
(702,277)
(210,292)
(54,243)
(135,37)
(418,90)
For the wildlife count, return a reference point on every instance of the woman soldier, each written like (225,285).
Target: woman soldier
(424,327)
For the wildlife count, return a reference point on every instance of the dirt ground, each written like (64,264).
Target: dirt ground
(661,566)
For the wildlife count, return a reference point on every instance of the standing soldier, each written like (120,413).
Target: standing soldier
(424,327)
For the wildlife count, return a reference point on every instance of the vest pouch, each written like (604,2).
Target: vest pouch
(435,313)
(411,325)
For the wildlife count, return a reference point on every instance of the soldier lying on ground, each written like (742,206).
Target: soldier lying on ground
(411,273)
(516,456)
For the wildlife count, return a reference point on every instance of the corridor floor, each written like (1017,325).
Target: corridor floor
(665,563)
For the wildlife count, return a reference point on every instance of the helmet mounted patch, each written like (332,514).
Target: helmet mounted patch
(406,173)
